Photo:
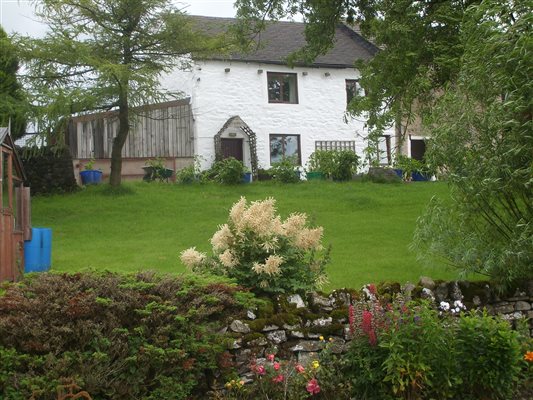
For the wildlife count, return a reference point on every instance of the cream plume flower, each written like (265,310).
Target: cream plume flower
(308,239)
(294,224)
(236,213)
(191,257)
(222,239)
(228,259)
(272,265)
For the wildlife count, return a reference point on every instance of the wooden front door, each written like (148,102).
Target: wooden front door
(232,148)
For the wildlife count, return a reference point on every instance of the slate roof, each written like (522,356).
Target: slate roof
(282,38)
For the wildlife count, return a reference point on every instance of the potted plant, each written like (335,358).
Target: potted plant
(313,170)
(90,176)
(410,169)
(247,175)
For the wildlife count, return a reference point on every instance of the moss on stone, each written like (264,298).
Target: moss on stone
(333,329)
(249,337)
(339,314)
(257,325)
(388,287)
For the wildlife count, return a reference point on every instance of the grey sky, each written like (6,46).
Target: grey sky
(17,15)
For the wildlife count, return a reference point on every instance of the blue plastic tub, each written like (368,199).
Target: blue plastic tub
(32,252)
(38,250)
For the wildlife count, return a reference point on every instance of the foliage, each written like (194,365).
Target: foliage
(339,165)
(408,166)
(410,351)
(13,105)
(116,336)
(285,171)
(89,166)
(344,165)
(488,356)
(482,141)
(262,252)
(321,161)
(228,171)
(107,54)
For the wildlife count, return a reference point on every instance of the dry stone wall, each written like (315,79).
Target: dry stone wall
(297,327)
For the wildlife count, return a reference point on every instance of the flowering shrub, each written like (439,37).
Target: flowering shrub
(413,351)
(275,379)
(262,252)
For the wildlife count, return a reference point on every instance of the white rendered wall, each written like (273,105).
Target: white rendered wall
(218,95)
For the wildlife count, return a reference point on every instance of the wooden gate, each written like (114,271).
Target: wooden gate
(14,210)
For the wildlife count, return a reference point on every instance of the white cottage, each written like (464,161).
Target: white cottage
(253,107)
(247,105)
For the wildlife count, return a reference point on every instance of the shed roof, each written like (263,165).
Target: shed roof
(280,39)
(7,141)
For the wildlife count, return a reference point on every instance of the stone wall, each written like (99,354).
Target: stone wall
(296,327)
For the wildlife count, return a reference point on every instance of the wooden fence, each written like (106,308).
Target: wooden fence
(159,130)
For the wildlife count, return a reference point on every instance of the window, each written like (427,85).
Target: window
(282,88)
(283,146)
(352,86)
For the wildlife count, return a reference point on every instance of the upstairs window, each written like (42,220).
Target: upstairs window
(352,87)
(282,88)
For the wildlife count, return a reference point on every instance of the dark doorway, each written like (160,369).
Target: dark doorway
(418,149)
(232,148)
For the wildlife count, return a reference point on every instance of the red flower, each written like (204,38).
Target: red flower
(299,368)
(372,289)
(278,379)
(313,387)
(270,357)
(260,370)
(276,366)
(366,324)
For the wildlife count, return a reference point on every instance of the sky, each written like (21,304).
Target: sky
(16,16)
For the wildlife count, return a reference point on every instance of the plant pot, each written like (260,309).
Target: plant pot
(399,172)
(91,177)
(247,177)
(315,176)
(418,177)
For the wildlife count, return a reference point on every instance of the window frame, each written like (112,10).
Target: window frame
(283,75)
(284,135)
(388,150)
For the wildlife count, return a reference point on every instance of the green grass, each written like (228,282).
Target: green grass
(369,226)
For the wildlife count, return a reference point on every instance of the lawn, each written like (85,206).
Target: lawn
(369,226)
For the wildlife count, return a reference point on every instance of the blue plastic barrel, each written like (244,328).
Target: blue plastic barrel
(32,252)
(46,249)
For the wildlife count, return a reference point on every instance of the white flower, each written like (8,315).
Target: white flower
(444,306)
(192,258)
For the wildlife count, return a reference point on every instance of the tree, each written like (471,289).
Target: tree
(107,54)
(482,138)
(13,106)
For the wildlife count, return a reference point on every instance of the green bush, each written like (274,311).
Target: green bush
(345,163)
(285,171)
(117,337)
(262,252)
(488,357)
(228,171)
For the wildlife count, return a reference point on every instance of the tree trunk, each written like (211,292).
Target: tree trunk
(118,142)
